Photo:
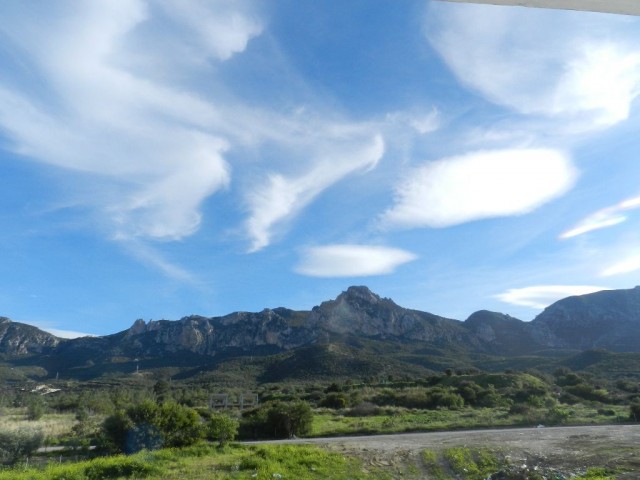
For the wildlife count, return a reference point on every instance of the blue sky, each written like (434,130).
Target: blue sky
(160,159)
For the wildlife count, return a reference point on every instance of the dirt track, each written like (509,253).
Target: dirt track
(615,446)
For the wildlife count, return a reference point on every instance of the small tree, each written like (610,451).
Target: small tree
(335,400)
(278,419)
(19,444)
(221,428)
(634,412)
(290,419)
(162,390)
(35,408)
(178,425)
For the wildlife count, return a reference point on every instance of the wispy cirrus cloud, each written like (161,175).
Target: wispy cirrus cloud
(420,122)
(541,296)
(627,265)
(587,80)
(480,185)
(604,218)
(122,92)
(84,105)
(282,197)
(347,260)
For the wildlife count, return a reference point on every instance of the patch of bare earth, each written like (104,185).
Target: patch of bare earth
(562,449)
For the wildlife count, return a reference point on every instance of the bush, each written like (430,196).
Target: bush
(335,400)
(278,419)
(149,426)
(588,392)
(179,425)
(117,467)
(221,428)
(634,412)
(19,444)
(556,416)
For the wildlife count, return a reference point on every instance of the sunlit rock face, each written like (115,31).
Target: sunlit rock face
(21,339)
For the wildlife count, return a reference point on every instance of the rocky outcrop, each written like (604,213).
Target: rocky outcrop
(358,311)
(22,339)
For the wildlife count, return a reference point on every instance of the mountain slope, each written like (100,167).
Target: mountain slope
(608,319)
(22,339)
(357,331)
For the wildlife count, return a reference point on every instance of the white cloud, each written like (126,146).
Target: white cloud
(46,326)
(421,122)
(223,28)
(541,296)
(106,95)
(280,197)
(352,260)
(565,65)
(604,218)
(480,185)
(628,265)
(143,137)
(156,260)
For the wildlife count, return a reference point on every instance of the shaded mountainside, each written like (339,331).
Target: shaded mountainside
(609,319)
(358,331)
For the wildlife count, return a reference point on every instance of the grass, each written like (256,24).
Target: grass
(53,425)
(396,420)
(407,420)
(597,474)
(234,462)
(205,461)
(432,465)
(471,464)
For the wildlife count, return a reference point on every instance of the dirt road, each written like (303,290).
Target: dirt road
(616,446)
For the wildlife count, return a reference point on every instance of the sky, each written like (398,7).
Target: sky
(160,159)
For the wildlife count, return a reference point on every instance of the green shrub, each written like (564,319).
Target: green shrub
(472,464)
(335,400)
(634,412)
(19,444)
(117,467)
(221,428)
(277,419)
(149,426)
(556,415)
(178,425)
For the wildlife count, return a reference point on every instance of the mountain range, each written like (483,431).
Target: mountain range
(357,331)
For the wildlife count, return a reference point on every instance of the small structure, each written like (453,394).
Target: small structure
(219,401)
(45,389)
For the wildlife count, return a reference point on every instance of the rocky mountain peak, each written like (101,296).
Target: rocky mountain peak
(138,327)
(360,293)
(4,320)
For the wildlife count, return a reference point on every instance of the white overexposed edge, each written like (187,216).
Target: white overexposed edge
(625,7)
